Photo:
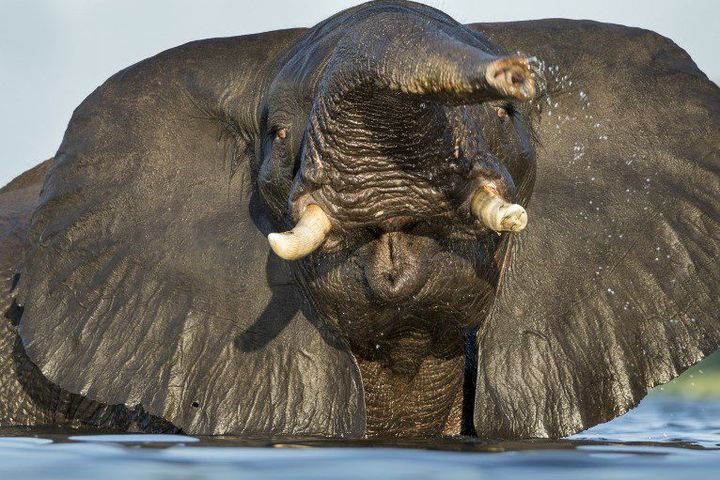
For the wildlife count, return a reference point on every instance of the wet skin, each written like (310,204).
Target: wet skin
(395,173)
(320,232)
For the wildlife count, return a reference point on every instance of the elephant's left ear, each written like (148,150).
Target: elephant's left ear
(613,287)
(147,277)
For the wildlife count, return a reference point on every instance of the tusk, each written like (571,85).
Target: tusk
(498,214)
(309,233)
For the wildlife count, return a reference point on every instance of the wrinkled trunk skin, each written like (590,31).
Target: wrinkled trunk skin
(394,145)
(393,172)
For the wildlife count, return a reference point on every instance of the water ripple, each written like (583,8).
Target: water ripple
(663,439)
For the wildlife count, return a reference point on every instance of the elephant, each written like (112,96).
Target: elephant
(389,224)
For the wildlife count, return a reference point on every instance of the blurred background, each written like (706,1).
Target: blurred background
(701,380)
(53,53)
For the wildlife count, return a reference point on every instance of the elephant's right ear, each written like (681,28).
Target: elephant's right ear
(613,287)
(147,278)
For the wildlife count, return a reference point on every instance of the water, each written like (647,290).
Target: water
(664,438)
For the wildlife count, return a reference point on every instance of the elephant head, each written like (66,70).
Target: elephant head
(392,170)
(402,155)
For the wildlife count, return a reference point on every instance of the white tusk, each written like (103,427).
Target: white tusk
(498,214)
(309,233)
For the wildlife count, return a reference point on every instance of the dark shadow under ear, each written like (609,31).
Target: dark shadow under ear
(274,318)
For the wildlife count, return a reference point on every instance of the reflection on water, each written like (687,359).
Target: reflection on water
(663,438)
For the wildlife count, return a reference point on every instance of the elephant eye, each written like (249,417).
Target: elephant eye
(280,148)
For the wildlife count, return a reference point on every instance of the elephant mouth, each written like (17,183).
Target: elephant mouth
(487,209)
(394,270)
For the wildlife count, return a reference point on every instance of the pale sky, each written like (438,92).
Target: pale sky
(53,53)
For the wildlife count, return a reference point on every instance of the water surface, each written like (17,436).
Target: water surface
(664,438)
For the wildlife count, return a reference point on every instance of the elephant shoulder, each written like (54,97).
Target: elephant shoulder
(17,202)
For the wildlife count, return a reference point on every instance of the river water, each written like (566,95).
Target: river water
(664,438)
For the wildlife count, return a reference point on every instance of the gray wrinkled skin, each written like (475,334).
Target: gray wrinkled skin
(148,298)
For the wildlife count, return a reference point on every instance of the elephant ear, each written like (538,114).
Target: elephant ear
(613,287)
(147,278)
